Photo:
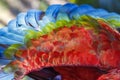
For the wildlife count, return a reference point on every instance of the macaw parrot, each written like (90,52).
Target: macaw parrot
(65,42)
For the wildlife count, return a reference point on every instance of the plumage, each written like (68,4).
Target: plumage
(67,42)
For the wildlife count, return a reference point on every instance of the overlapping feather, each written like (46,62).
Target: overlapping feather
(35,23)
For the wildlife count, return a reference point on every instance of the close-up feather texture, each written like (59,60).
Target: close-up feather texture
(65,42)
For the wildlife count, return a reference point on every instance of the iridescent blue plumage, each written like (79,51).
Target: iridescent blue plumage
(52,10)
(96,13)
(14,29)
(30,19)
(65,10)
(1,51)
(9,39)
(81,10)
(112,14)
(21,23)
(4,32)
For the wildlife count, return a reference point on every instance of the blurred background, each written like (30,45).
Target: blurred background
(10,8)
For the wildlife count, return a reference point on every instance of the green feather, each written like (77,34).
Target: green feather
(61,23)
(49,28)
(31,34)
(114,22)
(10,68)
(10,51)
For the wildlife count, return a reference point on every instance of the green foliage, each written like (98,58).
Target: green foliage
(3,3)
(43,5)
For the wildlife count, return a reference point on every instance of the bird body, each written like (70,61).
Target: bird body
(77,45)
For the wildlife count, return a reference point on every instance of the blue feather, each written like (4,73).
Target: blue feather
(67,8)
(52,10)
(80,11)
(30,19)
(16,30)
(110,15)
(4,32)
(38,15)
(5,76)
(20,22)
(96,13)
(1,51)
